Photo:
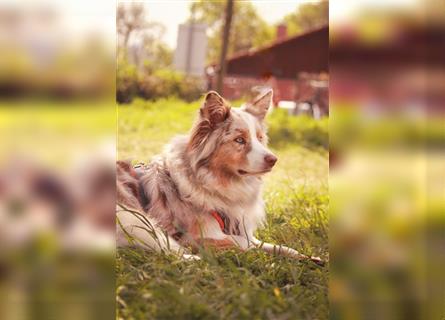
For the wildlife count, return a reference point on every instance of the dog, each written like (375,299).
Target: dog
(204,190)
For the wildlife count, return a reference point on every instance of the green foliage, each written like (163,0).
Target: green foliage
(307,16)
(126,82)
(190,88)
(144,71)
(160,55)
(155,84)
(232,284)
(302,130)
(248,29)
(353,129)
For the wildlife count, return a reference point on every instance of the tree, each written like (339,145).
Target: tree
(144,37)
(129,18)
(307,16)
(248,29)
(225,43)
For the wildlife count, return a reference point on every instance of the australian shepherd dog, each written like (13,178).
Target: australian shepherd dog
(204,190)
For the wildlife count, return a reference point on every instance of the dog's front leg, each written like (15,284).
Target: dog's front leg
(209,234)
(279,249)
(246,243)
(285,251)
(224,243)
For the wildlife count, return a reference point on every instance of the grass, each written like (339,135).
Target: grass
(39,276)
(55,133)
(232,284)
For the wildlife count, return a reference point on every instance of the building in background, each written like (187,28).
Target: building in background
(295,67)
(191,49)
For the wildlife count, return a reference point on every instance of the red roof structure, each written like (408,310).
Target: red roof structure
(308,52)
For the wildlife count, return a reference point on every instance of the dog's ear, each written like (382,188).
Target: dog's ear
(215,108)
(214,111)
(260,105)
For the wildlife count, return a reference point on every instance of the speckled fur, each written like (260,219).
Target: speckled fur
(207,170)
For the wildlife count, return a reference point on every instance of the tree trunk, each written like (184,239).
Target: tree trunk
(225,44)
(126,38)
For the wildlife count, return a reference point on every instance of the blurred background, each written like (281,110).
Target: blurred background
(196,48)
(57,153)
(387,99)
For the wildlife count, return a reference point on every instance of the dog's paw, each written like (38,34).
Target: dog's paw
(190,257)
(291,253)
(242,242)
(318,261)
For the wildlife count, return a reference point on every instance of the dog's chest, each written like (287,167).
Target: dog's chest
(228,225)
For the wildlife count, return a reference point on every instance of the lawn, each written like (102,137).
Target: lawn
(232,284)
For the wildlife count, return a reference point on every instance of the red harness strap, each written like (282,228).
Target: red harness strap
(218,218)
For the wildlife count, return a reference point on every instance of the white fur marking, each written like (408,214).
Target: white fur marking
(256,155)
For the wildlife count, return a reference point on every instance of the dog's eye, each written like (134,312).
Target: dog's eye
(240,140)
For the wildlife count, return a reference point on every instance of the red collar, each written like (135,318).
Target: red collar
(219,219)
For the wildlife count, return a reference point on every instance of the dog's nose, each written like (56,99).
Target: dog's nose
(270,159)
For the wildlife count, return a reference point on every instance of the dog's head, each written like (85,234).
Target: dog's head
(231,142)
